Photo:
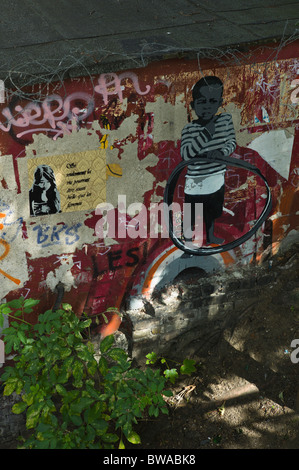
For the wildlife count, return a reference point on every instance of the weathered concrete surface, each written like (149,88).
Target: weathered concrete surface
(44,40)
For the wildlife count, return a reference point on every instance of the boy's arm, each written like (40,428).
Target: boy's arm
(194,141)
(228,160)
(230,141)
(229,145)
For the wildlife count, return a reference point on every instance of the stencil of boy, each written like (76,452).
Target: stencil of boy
(209,136)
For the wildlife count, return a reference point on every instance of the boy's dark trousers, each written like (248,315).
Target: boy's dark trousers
(212,209)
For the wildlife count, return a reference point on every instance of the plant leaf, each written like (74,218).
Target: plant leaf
(188,367)
(32,415)
(134,438)
(151,358)
(22,337)
(77,420)
(171,375)
(106,343)
(16,303)
(121,444)
(30,303)
(103,366)
(109,438)
(117,354)
(19,407)
(10,387)
(61,390)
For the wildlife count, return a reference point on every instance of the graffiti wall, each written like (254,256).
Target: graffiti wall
(85,163)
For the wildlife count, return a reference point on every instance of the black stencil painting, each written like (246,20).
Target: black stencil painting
(211,137)
(207,144)
(44,198)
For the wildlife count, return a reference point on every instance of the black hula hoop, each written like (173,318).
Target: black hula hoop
(203,251)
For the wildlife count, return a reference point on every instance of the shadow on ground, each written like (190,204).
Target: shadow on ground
(245,390)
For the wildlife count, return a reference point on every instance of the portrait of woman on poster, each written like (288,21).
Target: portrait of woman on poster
(44,197)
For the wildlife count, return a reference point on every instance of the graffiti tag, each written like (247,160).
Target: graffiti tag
(6,247)
(52,112)
(59,234)
(110,84)
(63,116)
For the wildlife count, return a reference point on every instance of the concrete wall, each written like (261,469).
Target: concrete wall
(118,135)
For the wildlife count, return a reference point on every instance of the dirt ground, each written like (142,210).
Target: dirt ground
(244,393)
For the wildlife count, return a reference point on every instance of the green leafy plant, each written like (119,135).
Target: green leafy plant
(171,374)
(71,400)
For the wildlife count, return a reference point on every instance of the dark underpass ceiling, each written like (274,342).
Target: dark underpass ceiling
(60,38)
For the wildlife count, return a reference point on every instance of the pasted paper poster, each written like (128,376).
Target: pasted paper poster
(67,183)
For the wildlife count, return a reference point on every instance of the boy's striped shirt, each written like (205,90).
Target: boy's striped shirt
(197,141)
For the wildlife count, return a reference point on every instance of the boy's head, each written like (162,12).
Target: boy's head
(207,97)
